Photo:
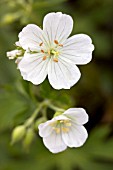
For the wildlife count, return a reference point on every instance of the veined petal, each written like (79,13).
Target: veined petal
(45,129)
(62,75)
(77,115)
(33,68)
(57,26)
(54,143)
(31,36)
(76,136)
(78,49)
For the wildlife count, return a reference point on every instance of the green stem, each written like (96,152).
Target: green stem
(43,105)
(34,115)
(56,108)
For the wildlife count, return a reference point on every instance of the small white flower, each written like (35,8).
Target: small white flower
(49,52)
(13,54)
(65,130)
(16,54)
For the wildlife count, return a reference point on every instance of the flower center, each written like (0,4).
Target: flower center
(61,126)
(54,52)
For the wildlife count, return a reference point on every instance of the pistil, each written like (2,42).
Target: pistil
(51,52)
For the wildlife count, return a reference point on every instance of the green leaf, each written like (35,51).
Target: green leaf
(13,104)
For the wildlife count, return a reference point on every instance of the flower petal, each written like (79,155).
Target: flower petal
(45,129)
(54,143)
(57,26)
(78,49)
(60,117)
(62,75)
(33,68)
(76,137)
(78,115)
(31,36)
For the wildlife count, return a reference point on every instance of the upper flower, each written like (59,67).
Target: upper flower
(65,130)
(50,51)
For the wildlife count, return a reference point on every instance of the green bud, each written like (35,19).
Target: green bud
(18,133)
(29,137)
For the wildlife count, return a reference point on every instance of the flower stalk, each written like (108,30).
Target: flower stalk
(30,120)
(55,108)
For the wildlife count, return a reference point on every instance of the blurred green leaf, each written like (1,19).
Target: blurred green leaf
(13,104)
(92,155)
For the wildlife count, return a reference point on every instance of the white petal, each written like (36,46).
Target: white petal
(54,143)
(17,43)
(78,115)
(61,117)
(33,68)
(78,49)
(18,60)
(45,128)
(62,75)
(57,26)
(31,36)
(76,137)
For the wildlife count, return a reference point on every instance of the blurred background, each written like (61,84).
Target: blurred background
(94,91)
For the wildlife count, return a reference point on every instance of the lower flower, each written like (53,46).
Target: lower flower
(65,130)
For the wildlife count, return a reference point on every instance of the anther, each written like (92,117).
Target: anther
(65,130)
(55,59)
(61,45)
(57,130)
(42,51)
(56,42)
(44,58)
(68,124)
(41,44)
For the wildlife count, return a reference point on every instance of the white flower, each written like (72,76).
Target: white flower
(49,52)
(65,130)
(13,54)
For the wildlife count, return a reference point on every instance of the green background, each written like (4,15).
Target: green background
(94,91)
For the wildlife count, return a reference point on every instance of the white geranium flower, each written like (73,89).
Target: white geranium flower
(65,130)
(50,52)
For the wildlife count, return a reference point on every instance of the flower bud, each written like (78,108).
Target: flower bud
(18,133)
(29,137)
(14,54)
